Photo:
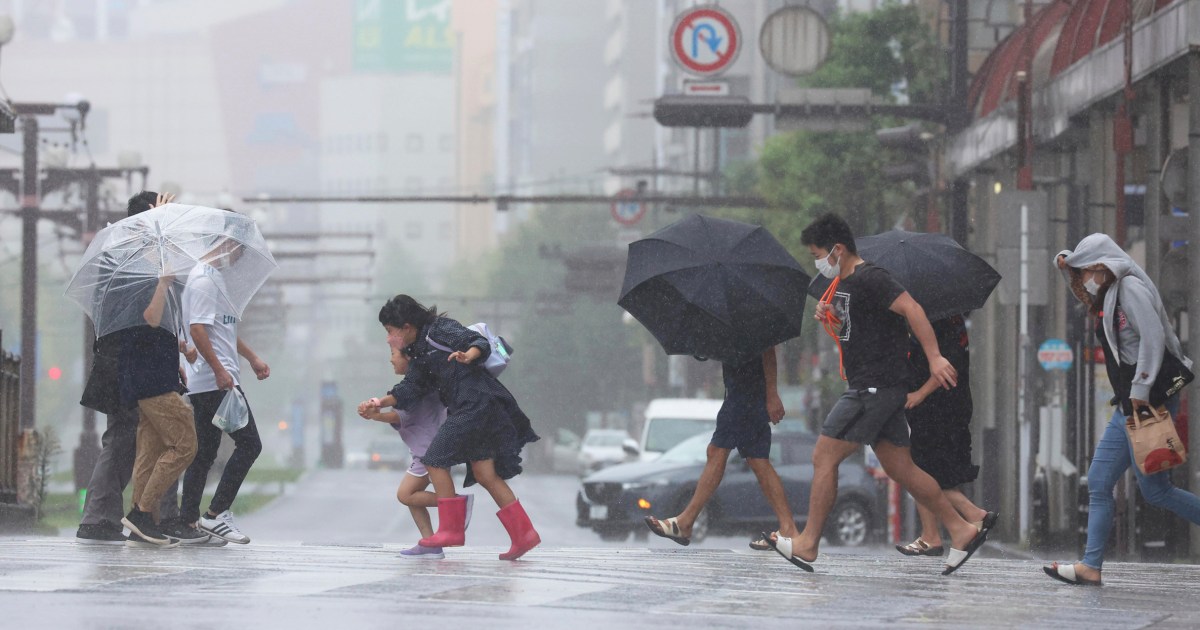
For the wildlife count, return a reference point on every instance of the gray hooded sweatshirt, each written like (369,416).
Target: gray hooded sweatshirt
(1145,330)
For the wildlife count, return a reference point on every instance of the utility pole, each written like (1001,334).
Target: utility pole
(30,202)
(959,117)
(88,450)
(31,189)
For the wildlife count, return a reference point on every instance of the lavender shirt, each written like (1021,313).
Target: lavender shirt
(418,425)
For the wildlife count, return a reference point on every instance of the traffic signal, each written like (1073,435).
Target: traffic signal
(910,143)
(703,111)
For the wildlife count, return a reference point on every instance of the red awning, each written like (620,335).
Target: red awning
(1057,36)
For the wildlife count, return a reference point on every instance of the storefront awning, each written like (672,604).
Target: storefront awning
(1077,53)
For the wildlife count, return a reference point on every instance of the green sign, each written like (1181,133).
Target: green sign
(403,36)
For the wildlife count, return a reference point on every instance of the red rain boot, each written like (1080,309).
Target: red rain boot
(524,537)
(452,513)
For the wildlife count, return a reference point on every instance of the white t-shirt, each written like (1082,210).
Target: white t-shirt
(204,303)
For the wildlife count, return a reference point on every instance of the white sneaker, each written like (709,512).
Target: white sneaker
(222,526)
(470,506)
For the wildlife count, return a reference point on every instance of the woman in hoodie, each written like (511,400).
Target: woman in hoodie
(1133,323)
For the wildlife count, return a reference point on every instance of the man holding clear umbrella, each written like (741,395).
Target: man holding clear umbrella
(148,377)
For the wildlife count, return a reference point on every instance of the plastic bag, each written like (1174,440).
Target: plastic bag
(233,413)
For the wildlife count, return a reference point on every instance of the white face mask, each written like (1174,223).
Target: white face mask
(1090,286)
(826,269)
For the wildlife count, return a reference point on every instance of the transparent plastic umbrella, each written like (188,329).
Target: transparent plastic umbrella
(120,270)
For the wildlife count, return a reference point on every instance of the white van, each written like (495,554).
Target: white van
(670,421)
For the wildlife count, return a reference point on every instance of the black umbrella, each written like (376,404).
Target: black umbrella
(941,276)
(714,288)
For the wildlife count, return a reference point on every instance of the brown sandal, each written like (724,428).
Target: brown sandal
(919,547)
(760,544)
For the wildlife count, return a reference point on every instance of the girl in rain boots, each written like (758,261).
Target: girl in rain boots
(484,427)
(416,427)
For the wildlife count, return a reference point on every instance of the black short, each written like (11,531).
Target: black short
(866,416)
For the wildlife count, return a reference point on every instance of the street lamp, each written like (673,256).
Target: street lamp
(7,29)
(8,119)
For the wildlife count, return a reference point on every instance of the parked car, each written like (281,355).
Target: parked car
(670,421)
(614,502)
(390,453)
(604,447)
(563,451)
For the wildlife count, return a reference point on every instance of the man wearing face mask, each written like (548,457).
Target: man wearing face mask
(1144,359)
(212,326)
(871,315)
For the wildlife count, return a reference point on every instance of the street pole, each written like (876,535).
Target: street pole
(88,450)
(1155,123)
(1026,446)
(960,79)
(29,272)
(1193,189)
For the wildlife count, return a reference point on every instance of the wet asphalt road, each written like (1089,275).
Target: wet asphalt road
(319,561)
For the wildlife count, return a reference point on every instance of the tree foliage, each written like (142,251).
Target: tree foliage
(802,174)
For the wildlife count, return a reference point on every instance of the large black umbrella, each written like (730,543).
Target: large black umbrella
(941,276)
(714,288)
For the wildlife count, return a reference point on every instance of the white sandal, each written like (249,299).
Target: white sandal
(783,546)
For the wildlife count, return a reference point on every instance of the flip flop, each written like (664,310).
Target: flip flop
(1066,573)
(957,557)
(760,544)
(919,547)
(667,528)
(783,546)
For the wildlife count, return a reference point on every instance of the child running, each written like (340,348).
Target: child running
(417,428)
(484,426)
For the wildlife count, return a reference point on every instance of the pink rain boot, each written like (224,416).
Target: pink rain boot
(524,536)
(451,515)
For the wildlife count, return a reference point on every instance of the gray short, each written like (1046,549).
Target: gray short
(865,417)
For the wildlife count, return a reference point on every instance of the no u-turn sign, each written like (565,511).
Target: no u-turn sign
(705,40)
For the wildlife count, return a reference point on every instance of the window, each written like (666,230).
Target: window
(413,185)
(412,229)
(414,143)
(446,142)
(446,230)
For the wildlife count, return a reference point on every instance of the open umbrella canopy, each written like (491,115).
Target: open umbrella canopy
(937,272)
(120,270)
(714,288)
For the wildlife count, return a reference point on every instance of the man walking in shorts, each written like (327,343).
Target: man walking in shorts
(871,314)
(744,422)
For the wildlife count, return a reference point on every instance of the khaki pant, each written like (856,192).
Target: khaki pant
(166,444)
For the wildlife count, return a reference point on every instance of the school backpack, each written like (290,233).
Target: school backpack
(501,351)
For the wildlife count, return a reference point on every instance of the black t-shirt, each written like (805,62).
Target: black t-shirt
(149,364)
(874,339)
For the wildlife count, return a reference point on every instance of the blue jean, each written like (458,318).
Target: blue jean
(1114,454)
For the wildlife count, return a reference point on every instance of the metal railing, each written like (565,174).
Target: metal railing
(10,379)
